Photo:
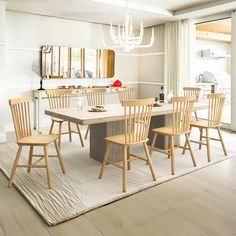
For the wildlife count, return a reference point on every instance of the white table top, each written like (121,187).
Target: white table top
(115,112)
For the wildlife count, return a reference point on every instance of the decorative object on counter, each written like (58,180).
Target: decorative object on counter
(200,78)
(36,69)
(162,95)
(79,103)
(169,95)
(125,37)
(41,84)
(156,104)
(117,83)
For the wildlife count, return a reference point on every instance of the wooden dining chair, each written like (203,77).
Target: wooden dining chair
(59,99)
(192,91)
(95,96)
(137,115)
(125,94)
(21,118)
(215,111)
(181,115)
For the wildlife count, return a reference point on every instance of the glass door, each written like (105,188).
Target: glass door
(213,62)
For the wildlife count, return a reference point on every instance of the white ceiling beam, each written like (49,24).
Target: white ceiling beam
(137,6)
(206,9)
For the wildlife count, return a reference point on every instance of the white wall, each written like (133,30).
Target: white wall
(151,64)
(2,71)
(26,33)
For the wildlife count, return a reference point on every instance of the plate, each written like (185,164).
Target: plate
(96,110)
(157,105)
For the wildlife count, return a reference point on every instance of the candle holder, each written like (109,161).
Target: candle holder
(41,84)
(156,102)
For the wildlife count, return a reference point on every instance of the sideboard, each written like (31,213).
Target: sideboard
(40,95)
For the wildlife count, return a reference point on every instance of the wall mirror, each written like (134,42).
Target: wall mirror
(65,62)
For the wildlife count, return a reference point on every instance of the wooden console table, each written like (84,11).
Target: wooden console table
(40,95)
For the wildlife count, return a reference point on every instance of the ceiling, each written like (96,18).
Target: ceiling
(152,12)
(219,26)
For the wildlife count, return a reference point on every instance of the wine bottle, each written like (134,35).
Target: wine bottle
(162,95)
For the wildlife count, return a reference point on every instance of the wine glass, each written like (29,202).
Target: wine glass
(156,102)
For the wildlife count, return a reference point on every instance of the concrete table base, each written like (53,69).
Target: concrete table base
(98,132)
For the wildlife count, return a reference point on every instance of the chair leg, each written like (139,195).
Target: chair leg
(13,172)
(59,138)
(190,149)
(104,160)
(47,166)
(149,160)
(208,145)
(154,139)
(221,140)
(128,158)
(196,117)
(87,131)
(69,131)
(200,138)
(169,147)
(51,128)
(185,144)
(125,169)
(172,157)
(184,148)
(30,158)
(59,157)
(153,143)
(80,135)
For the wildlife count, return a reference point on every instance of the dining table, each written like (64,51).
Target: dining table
(111,122)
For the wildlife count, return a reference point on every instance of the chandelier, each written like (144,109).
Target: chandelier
(124,36)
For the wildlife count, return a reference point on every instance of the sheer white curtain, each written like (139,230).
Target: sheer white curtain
(179,55)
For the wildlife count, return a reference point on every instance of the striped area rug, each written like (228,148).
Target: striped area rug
(79,190)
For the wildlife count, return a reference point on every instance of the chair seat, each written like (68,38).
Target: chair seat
(38,139)
(57,120)
(167,131)
(120,139)
(203,124)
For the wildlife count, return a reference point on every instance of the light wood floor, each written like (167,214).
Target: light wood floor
(200,203)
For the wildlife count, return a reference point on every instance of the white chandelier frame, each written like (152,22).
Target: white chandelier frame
(124,36)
